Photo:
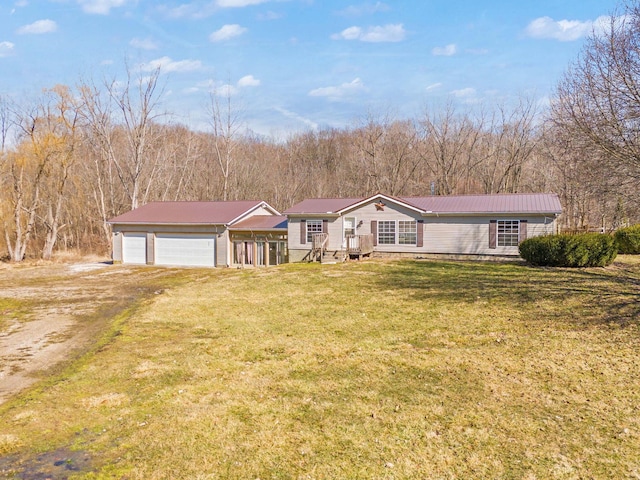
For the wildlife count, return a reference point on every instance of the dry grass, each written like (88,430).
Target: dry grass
(374,370)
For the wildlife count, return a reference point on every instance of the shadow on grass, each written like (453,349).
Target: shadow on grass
(602,295)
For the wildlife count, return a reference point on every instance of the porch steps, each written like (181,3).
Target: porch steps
(331,258)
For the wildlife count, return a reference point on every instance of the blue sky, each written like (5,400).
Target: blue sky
(292,65)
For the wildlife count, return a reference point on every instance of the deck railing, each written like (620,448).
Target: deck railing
(359,244)
(319,243)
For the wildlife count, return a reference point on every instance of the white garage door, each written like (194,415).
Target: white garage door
(185,249)
(134,248)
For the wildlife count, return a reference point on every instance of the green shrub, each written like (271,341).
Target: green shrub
(583,250)
(628,240)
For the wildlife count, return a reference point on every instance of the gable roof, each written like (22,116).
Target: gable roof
(190,213)
(525,203)
(261,222)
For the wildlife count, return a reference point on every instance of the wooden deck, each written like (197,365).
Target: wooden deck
(359,245)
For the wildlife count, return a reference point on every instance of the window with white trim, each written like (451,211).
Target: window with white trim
(508,233)
(407,232)
(349,226)
(386,232)
(313,226)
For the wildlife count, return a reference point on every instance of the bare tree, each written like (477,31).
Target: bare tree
(450,149)
(226,124)
(599,97)
(60,121)
(510,143)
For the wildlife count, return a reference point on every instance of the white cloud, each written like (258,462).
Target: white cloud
(238,3)
(6,49)
(165,64)
(433,86)
(447,51)
(39,27)
(464,92)
(563,30)
(227,32)
(248,81)
(143,44)
(100,7)
(226,90)
(289,114)
(339,91)
(269,16)
(364,9)
(387,33)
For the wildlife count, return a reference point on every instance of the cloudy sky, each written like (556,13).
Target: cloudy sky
(294,65)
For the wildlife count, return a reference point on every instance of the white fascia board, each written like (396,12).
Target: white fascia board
(252,209)
(381,197)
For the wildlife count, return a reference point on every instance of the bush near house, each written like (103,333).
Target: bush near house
(582,250)
(628,240)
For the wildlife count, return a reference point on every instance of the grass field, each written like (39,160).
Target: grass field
(379,369)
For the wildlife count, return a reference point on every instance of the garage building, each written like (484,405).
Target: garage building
(199,234)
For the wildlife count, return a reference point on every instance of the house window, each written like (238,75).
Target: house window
(313,226)
(508,233)
(349,226)
(407,233)
(386,232)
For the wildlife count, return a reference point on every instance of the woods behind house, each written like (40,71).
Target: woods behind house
(79,155)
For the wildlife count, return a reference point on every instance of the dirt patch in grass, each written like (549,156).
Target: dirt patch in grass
(57,464)
(54,311)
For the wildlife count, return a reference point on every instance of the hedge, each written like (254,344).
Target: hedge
(628,240)
(582,250)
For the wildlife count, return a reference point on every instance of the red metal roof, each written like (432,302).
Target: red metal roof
(262,222)
(498,203)
(322,205)
(178,213)
(541,203)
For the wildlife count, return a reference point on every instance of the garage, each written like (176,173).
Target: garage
(134,248)
(185,250)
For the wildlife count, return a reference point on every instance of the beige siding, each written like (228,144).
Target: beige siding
(151,248)
(117,247)
(367,213)
(463,235)
(258,211)
(223,250)
(470,235)
(221,241)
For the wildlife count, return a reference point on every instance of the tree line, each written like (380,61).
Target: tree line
(77,156)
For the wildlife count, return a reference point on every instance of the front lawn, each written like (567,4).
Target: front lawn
(378,369)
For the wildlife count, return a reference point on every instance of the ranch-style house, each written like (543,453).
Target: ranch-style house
(252,233)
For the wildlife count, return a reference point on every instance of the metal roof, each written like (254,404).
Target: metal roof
(262,222)
(322,205)
(498,203)
(180,213)
(534,203)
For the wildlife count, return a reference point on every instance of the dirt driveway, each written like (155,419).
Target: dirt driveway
(53,312)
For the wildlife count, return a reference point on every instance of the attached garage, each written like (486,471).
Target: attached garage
(134,248)
(185,250)
(194,233)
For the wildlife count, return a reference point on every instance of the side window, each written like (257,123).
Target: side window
(313,226)
(386,232)
(407,233)
(508,233)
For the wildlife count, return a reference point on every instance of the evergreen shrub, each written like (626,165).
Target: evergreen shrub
(628,240)
(582,250)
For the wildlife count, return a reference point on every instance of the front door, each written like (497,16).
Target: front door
(348,228)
